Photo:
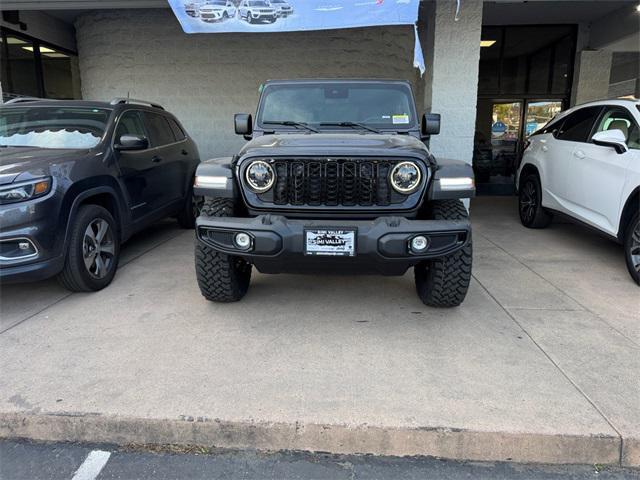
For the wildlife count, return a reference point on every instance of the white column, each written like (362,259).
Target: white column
(452,56)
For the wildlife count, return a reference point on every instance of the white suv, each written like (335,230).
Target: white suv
(215,10)
(257,11)
(585,163)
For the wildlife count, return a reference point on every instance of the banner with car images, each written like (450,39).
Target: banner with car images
(220,16)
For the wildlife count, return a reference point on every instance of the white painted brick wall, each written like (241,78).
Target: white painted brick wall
(205,79)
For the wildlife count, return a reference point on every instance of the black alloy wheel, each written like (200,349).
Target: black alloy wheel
(532,213)
(632,248)
(528,202)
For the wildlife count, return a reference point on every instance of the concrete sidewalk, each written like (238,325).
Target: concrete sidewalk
(540,364)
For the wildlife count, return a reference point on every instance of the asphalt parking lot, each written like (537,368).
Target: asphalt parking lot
(540,364)
(64,461)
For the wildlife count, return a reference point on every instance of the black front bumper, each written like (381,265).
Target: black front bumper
(382,245)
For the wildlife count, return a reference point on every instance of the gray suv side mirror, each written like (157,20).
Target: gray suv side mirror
(132,142)
(611,138)
(243,124)
(430,124)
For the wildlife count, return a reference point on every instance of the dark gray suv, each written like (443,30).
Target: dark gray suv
(78,178)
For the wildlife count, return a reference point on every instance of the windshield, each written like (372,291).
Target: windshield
(52,127)
(381,106)
(258,4)
(219,3)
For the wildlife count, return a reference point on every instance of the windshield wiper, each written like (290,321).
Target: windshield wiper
(349,124)
(289,123)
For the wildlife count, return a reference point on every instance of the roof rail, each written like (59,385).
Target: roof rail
(23,100)
(133,101)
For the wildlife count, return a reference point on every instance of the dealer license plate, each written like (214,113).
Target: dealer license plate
(338,242)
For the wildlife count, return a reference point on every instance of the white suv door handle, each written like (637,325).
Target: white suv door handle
(545,148)
(579,154)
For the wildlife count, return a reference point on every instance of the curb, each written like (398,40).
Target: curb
(447,443)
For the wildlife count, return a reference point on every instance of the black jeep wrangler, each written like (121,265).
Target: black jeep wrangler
(336,177)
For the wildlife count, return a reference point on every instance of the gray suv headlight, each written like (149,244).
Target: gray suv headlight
(260,176)
(405,177)
(20,192)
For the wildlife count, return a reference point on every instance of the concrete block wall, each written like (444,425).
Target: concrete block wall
(452,57)
(205,79)
(592,76)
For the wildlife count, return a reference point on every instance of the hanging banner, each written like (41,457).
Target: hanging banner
(219,16)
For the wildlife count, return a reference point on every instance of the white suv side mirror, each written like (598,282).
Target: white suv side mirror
(611,138)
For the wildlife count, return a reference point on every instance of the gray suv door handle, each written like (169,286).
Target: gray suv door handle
(545,148)
(156,159)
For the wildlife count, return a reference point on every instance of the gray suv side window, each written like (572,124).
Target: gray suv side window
(159,130)
(177,131)
(130,123)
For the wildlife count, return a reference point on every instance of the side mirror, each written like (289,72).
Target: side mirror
(430,124)
(132,142)
(611,138)
(243,124)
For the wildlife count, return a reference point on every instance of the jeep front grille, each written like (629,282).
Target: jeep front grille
(333,182)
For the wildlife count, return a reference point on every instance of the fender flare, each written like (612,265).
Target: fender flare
(451,169)
(120,219)
(215,178)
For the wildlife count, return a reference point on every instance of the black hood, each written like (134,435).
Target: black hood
(335,144)
(30,162)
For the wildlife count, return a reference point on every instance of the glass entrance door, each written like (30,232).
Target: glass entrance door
(502,127)
(496,145)
(539,113)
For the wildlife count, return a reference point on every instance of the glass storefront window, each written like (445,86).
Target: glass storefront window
(524,81)
(562,67)
(56,73)
(524,60)
(491,47)
(539,114)
(19,74)
(31,68)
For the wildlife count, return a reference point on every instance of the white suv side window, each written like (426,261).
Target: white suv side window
(617,118)
(577,126)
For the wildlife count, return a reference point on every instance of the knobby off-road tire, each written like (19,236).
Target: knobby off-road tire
(632,247)
(444,282)
(532,213)
(80,272)
(221,277)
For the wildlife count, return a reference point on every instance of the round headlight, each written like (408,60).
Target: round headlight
(260,176)
(405,177)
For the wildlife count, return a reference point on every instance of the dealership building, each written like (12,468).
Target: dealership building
(495,70)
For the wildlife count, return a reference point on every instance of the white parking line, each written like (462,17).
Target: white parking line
(92,465)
